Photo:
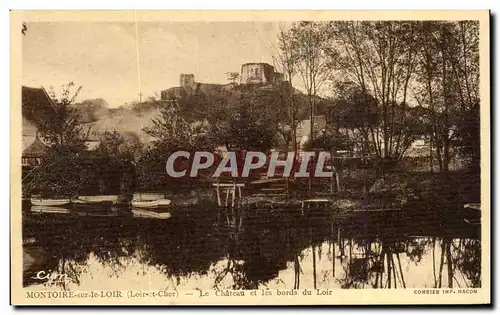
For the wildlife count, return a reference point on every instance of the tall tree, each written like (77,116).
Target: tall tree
(448,74)
(380,58)
(465,67)
(171,128)
(355,112)
(64,127)
(310,43)
(249,121)
(285,61)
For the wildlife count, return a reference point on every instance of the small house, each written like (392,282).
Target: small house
(32,155)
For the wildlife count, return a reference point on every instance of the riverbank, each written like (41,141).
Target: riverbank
(434,198)
(412,191)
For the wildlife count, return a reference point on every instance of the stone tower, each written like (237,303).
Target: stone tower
(187,80)
(255,73)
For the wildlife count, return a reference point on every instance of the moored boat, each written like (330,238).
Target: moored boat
(473,206)
(142,213)
(151,203)
(99,198)
(97,213)
(49,209)
(473,215)
(50,202)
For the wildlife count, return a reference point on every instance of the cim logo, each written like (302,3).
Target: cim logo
(52,275)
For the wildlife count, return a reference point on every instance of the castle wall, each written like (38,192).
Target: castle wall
(268,73)
(253,73)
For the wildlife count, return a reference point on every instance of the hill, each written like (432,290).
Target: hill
(198,102)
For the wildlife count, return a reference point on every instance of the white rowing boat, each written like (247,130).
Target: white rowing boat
(151,203)
(473,206)
(49,202)
(141,213)
(113,198)
(473,216)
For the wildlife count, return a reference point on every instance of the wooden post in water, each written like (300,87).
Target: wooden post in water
(233,192)
(232,202)
(341,243)
(227,198)
(332,240)
(219,203)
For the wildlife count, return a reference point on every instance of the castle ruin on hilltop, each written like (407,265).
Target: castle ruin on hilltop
(259,73)
(251,73)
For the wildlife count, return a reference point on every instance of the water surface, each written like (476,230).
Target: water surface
(197,249)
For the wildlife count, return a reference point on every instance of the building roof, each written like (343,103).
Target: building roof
(36,149)
(36,103)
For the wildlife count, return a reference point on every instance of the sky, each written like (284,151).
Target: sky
(106,58)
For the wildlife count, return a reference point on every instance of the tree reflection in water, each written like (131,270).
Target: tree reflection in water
(263,252)
(377,263)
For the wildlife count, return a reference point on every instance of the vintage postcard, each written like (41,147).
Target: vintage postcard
(250,157)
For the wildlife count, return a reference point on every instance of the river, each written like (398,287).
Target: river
(197,249)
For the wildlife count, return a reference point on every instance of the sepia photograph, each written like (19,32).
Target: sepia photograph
(164,158)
